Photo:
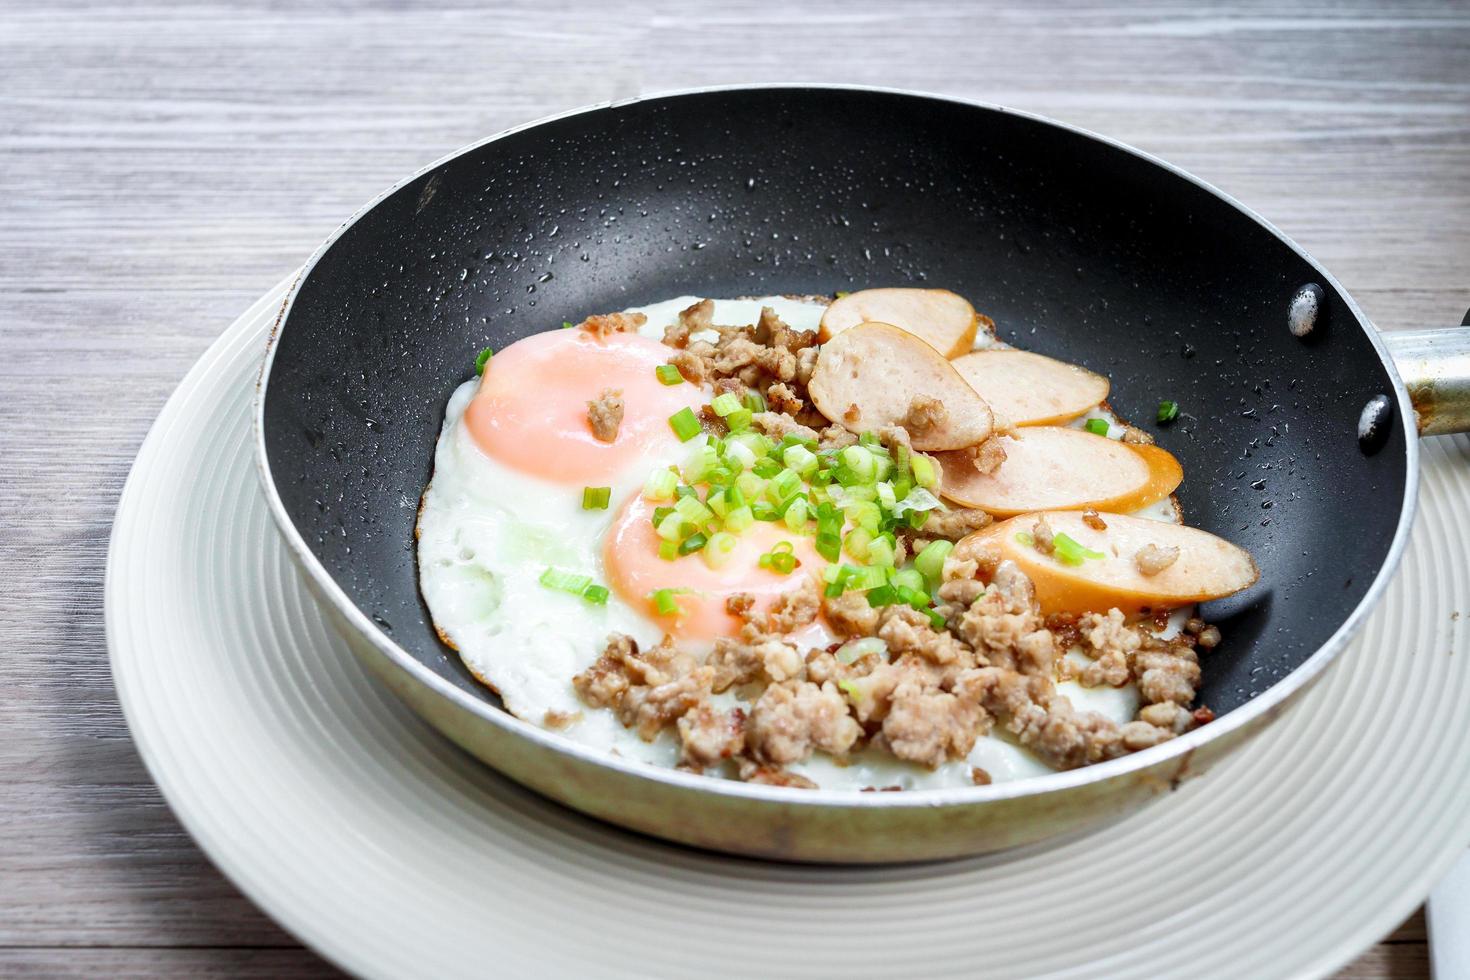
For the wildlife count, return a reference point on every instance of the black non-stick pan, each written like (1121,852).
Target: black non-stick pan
(1297,436)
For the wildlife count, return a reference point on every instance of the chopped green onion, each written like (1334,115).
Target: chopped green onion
(866,577)
(930,561)
(886,496)
(671,528)
(692,543)
(864,514)
(750,485)
(1071,552)
(829,544)
(739,518)
(935,620)
(850,688)
(1168,412)
(664,601)
(838,582)
(684,490)
(703,461)
(857,541)
(1098,427)
(1025,539)
(566,324)
(739,420)
(842,292)
(482,360)
(779,558)
(861,463)
(881,552)
(755,401)
(792,439)
(910,578)
(766,468)
(917,518)
(580,585)
(800,459)
(685,424)
(692,510)
(926,474)
(796,513)
(596,498)
(764,510)
(668,550)
(719,548)
(660,485)
(883,595)
(554,578)
(725,404)
(783,486)
(668,374)
(917,598)
(739,453)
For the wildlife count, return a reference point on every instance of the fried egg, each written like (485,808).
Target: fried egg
(506,504)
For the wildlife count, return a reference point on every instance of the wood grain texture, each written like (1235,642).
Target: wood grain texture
(162,166)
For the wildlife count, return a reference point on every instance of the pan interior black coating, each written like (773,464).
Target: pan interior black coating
(1076,248)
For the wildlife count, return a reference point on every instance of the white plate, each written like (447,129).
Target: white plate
(394,854)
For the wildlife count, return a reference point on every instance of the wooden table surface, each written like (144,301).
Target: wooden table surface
(161,167)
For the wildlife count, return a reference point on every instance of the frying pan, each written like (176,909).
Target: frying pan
(1298,436)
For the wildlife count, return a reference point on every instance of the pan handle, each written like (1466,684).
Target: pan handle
(1435,366)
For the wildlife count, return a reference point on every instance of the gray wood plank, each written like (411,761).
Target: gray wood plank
(161,166)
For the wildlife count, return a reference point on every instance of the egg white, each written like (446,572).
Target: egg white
(487,532)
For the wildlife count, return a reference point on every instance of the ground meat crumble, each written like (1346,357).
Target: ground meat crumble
(925,699)
(605,414)
(928,690)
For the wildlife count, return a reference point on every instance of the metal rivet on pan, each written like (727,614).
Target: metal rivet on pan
(1373,424)
(1306,306)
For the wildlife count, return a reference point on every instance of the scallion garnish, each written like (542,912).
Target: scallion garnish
(1168,412)
(739,420)
(668,374)
(581,585)
(685,424)
(724,404)
(926,474)
(596,498)
(719,548)
(780,558)
(883,595)
(881,551)
(483,359)
(665,601)
(660,485)
(1071,552)
(930,561)
(911,579)
(668,550)
(766,468)
(566,324)
(754,401)
(1098,427)
(692,543)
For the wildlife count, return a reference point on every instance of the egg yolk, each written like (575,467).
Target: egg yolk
(530,411)
(634,569)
